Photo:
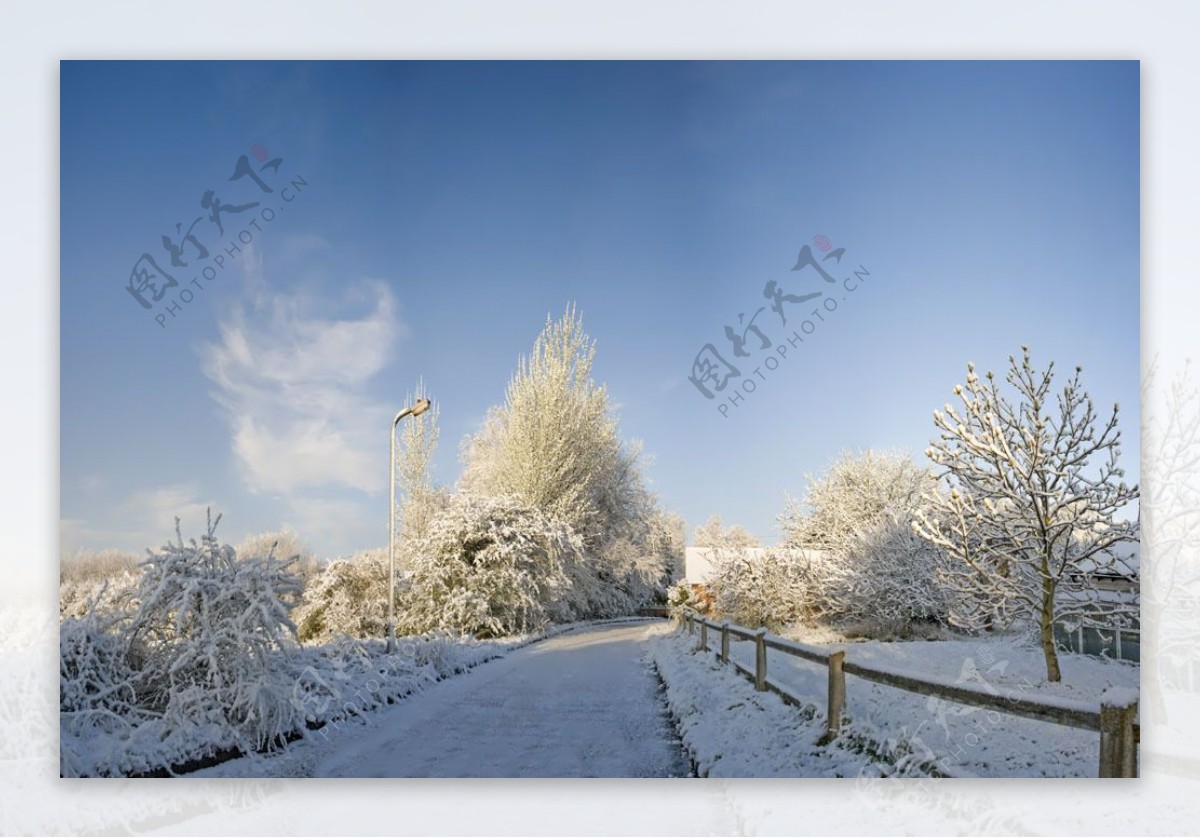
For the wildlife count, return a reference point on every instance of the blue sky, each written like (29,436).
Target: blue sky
(440,211)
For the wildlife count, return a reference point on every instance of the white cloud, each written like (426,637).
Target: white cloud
(144,520)
(292,377)
(157,509)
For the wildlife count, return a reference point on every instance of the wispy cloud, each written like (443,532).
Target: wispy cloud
(291,371)
(143,520)
(158,508)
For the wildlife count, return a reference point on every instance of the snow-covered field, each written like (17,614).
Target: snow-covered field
(734,731)
(584,703)
(730,730)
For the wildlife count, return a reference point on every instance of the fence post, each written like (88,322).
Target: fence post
(725,642)
(837,691)
(760,660)
(704,635)
(691,624)
(1118,750)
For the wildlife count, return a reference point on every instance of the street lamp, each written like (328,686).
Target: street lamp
(416,410)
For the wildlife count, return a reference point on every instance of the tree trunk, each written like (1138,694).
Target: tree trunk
(1047,631)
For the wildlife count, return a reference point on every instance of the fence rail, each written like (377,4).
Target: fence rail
(1114,717)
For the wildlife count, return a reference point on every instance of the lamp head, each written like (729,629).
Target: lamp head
(421,406)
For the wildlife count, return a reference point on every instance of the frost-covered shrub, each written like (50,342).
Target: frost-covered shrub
(99,713)
(492,567)
(93,672)
(773,588)
(206,665)
(286,545)
(347,598)
(864,568)
(888,582)
(100,582)
(207,632)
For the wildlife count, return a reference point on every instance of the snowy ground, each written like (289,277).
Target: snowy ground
(730,730)
(585,703)
(960,740)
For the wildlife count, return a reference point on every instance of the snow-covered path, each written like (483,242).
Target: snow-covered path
(582,704)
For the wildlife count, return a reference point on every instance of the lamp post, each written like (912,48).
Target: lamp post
(416,410)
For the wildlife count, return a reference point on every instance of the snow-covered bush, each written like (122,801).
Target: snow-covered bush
(347,598)
(105,729)
(285,545)
(772,588)
(494,566)
(94,675)
(872,573)
(887,583)
(100,582)
(206,633)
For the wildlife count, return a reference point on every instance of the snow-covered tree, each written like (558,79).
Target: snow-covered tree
(667,538)
(640,574)
(93,564)
(1032,503)
(555,447)
(712,534)
(866,568)
(417,439)
(490,567)
(555,444)
(857,492)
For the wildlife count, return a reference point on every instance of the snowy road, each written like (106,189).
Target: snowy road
(582,704)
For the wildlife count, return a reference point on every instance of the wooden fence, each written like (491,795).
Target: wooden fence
(1115,717)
